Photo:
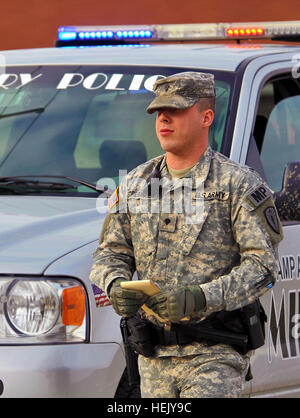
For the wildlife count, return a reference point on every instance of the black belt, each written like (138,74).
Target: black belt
(186,334)
(144,336)
(166,338)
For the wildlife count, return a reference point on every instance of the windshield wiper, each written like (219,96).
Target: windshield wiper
(23,112)
(7,182)
(53,185)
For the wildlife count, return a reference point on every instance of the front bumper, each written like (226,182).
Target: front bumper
(70,370)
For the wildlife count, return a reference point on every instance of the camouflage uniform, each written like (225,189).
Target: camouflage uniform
(228,248)
(218,372)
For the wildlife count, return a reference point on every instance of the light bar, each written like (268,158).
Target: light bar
(91,35)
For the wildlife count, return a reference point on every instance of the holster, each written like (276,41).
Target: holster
(130,354)
(249,320)
(143,335)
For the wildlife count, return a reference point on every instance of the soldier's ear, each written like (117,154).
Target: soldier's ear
(208,117)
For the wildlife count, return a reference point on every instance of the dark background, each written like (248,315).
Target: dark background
(34,23)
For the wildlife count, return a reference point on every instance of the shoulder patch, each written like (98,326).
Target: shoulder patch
(257,196)
(272,219)
(269,219)
(114,198)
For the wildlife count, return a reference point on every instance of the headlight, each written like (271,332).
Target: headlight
(42,311)
(32,307)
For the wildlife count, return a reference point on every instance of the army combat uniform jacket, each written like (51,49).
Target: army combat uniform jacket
(225,241)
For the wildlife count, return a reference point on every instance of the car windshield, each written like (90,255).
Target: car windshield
(83,122)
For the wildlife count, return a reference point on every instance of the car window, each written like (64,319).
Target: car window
(87,122)
(282,140)
(277,134)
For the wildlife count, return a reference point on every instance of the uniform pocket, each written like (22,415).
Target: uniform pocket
(193,226)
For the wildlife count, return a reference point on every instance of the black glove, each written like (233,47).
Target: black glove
(125,302)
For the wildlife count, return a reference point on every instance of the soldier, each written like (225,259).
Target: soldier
(209,261)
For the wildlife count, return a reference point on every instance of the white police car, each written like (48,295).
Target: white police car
(71,117)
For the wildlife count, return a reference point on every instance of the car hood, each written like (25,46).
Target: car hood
(36,230)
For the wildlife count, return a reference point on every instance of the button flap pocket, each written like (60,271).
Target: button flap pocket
(193,227)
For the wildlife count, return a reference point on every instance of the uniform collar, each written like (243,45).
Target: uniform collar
(198,173)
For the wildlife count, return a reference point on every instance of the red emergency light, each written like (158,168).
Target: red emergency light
(245,32)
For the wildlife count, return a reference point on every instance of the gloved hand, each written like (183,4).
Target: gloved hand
(125,302)
(175,305)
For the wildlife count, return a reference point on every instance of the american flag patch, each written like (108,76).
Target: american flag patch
(114,198)
(101,298)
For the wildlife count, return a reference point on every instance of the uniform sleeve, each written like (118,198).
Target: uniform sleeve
(114,256)
(257,231)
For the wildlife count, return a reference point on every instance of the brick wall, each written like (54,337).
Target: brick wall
(33,23)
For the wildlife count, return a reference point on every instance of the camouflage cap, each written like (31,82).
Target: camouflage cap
(182,90)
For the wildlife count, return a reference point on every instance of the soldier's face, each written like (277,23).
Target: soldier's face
(179,130)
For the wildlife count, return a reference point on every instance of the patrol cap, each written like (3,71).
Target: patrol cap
(182,90)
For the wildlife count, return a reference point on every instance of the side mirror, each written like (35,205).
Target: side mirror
(288,199)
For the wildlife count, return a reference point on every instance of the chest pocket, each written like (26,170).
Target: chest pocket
(192,228)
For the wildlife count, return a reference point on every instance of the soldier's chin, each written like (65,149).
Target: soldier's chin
(167,144)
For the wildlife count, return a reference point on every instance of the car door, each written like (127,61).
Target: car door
(273,149)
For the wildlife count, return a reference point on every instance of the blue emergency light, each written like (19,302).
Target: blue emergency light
(98,35)
(67,36)
(95,35)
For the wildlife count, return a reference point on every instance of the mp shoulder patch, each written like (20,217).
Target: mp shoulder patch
(259,195)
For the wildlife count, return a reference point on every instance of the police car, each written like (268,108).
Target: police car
(72,123)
